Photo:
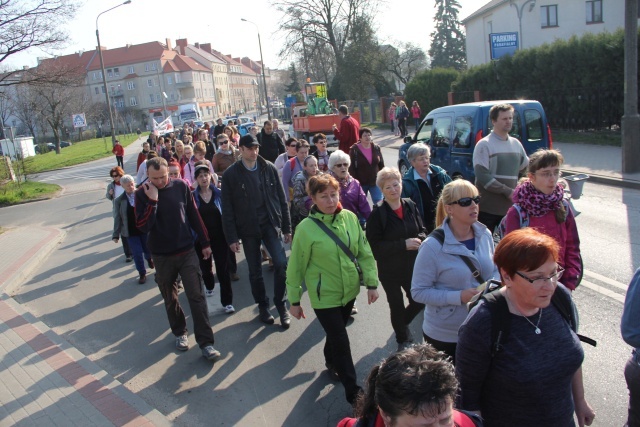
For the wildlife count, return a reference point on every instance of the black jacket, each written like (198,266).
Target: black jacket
(387,233)
(218,130)
(271,146)
(239,217)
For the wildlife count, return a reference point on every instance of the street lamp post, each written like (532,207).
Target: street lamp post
(519,11)
(104,76)
(264,76)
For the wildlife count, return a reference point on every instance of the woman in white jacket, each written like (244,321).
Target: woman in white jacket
(441,279)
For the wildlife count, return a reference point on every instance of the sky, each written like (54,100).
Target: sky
(207,21)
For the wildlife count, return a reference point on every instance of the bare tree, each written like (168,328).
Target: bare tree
(405,63)
(24,107)
(26,24)
(6,110)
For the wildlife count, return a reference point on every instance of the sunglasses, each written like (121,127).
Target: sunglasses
(466,201)
(340,165)
(114,176)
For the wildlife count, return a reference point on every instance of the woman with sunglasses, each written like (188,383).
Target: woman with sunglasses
(442,281)
(352,196)
(115,190)
(534,378)
(540,201)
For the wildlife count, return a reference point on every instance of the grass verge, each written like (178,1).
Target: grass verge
(609,138)
(79,152)
(12,193)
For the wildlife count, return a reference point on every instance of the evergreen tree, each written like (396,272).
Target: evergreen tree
(294,85)
(447,41)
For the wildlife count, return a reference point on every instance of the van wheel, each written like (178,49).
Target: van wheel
(403,168)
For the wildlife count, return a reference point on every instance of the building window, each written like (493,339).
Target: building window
(149,83)
(131,85)
(131,70)
(154,67)
(152,98)
(132,101)
(146,67)
(116,72)
(169,80)
(549,16)
(97,90)
(594,11)
(177,78)
(109,73)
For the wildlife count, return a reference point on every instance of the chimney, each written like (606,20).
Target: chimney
(25,67)
(168,43)
(206,47)
(182,44)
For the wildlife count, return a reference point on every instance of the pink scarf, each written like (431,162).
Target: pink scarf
(535,202)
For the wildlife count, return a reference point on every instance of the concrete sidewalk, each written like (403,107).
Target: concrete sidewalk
(44,381)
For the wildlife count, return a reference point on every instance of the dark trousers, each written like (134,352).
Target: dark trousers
(220,256)
(120,161)
(125,246)
(138,245)
(167,269)
(632,375)
(402,125)
(271,239)
(448,348)
(232,263)
(337,350)
(417,122)
(491,221)
(401,316)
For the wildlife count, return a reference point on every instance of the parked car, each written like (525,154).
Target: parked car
(64,144)
(452,133)
(44,148)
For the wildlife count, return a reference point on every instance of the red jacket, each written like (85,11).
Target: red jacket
(118,150)
(347,134)
(142,156)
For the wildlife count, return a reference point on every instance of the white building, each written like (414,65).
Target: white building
(541,21)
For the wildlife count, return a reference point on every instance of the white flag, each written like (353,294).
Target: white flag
(163,127)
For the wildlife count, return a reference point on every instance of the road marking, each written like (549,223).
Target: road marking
(606,280)
(602,290)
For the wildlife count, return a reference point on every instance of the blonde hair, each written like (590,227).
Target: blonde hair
(387,173)
(453,191)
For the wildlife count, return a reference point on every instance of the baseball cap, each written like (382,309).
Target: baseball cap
(249,141)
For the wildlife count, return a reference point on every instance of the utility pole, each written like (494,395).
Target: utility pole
(631,119)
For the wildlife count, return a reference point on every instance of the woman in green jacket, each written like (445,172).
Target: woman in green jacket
(332,278)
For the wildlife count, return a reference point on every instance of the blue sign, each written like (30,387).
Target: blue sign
(503,44)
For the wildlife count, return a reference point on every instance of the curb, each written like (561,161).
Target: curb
(605,180)
(23,267)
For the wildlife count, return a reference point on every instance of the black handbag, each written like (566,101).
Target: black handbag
(342,246)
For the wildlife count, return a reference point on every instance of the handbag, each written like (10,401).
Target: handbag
(342,246)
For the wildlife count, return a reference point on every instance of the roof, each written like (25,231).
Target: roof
(206,54)
(79,60)
(131,54)
(484,9)
(184,63)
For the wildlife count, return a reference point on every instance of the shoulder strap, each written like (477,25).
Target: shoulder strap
(438,234)
(462,418)
(563,303)
(340,244)
(500,321)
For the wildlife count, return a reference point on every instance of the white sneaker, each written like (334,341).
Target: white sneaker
(208,293)
(229,309)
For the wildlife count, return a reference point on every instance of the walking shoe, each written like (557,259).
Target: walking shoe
(354,309)
(143,279)
(208,293)
(128,259)
(182,342)
(229,309)
(151,264)
(210,353)
(333,374)
(285,317)
(235,277)
(265,316)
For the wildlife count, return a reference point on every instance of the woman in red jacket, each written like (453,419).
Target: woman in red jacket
(539,203)
(416,113)
(142,156)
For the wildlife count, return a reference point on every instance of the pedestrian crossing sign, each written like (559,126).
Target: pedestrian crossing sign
(79,121)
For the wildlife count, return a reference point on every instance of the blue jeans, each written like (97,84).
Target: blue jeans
(376,193)
(138,245)
(271,239)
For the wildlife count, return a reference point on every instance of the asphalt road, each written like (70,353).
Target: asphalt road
(85,292)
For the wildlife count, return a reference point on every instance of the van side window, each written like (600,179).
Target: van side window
(442,132)
(533,119)
(462,138)
(516,130)
(424,134)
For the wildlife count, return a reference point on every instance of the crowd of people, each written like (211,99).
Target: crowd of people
(427,239)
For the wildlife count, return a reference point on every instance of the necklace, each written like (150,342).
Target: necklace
(537,328)
(206,196)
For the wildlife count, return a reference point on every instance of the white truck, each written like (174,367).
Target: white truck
(188,113)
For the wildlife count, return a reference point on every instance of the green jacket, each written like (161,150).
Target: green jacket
(330,276)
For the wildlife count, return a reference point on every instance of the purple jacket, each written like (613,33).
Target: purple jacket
(566,234)
(353,198)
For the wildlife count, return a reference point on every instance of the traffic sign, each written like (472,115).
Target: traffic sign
(79,121)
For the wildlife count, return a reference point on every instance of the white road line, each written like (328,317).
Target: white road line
(602,290)
(606,280)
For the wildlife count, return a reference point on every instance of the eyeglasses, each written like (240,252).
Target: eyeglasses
(114,176)
(321,141)
(548,174)
(341,165)
(539,281)
(466,201)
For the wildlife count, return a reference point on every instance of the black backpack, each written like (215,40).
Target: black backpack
(496,302)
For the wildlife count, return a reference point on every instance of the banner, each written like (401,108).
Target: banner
(163,127)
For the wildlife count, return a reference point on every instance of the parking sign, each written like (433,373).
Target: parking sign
(79,120)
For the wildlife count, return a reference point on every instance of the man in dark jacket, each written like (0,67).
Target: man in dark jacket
(254,209)
(165,210)
(271,145)
(423,183)
(219,128)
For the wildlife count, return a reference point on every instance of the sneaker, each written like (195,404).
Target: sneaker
(128,259)
(333,374)
(210,353)
(285,317)
(265,316)
(229,309)
(354,309)
(235,277)
(143,279)
(182,342)
(151,264)
(208,293)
